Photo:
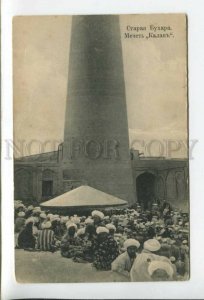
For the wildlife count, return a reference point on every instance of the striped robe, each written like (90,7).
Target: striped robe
(45,240)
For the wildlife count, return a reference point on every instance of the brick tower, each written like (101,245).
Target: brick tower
(96,141)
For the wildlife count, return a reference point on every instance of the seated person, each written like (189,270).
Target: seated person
(105,249)
(139,271)
(70,243)
(111,228)
(123,263)
(160,271)
(26,239)
(86,236)
(46,238)
(20,221)
(98,217)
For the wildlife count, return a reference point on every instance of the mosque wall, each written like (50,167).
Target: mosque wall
(170,180)
(158,180)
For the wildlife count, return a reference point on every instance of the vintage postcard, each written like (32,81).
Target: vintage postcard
(101,159)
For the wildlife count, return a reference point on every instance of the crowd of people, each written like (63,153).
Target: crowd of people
(140,245)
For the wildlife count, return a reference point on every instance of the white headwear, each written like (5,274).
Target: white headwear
(43,216)
(36,219)
(47,225)
(30,207)
(81,231)
(37,209)
(64,219)
(172,258)
(55,218)
(21,214)
(131,242)
(135,213)
(70,224)
(152,245)
(111,226)
(49,216)
(101,229)
(29,220)
(75,219)
(159,264)
(20,205)
(142,226)
(97,213)
(89,221)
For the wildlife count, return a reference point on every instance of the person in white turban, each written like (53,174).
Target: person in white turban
(87,240)
(75,219)
(97,217)
(139,271)
(70,243)
(81,232)
(89,221)
(111,228)
(123,263)
(57,228)
(29,211)
(19,222)
(19,207)
(160,271)
(101,230)
(105,249)
(42,220)
(46,240)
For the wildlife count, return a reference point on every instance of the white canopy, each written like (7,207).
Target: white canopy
(84,196)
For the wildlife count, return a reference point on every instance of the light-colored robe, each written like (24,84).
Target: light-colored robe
(122,264)
(139,271)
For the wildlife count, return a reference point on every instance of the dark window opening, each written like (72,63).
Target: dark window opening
(145,190)
(47,188)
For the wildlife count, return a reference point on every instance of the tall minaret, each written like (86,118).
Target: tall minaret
(96,141)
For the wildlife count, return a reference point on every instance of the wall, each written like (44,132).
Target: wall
(171,179)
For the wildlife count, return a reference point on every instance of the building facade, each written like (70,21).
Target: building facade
(41,177)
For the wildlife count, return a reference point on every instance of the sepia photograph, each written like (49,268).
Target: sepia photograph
(100,148)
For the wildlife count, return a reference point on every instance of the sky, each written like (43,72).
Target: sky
(155,73)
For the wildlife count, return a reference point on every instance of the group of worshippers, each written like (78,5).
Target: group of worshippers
(140,246)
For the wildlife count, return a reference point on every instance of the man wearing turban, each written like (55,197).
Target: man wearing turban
(139,271)
(123,263)
(105,249)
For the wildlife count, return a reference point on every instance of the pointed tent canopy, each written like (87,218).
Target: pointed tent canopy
(84,196)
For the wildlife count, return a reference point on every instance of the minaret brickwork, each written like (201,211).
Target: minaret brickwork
(96,140)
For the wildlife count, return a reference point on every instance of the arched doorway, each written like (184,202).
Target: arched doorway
(48,181)
(145,186)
